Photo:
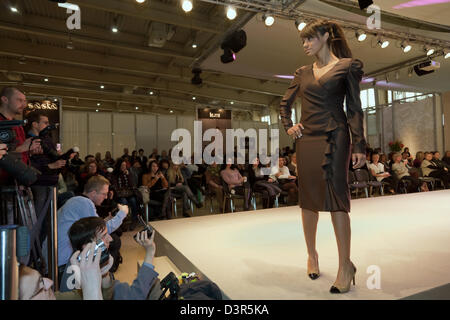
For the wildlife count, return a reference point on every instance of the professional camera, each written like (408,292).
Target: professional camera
(146,227)
(52,152)
(104,258)
(24,174)
(170,282)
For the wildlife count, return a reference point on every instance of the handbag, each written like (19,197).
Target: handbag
(145,194)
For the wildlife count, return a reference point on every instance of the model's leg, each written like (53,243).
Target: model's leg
(341,224)
(310,219)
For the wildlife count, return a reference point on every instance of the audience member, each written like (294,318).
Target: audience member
(124,187)
(418,160)
(436,169)
(281,174)
(108,162)
(214,182)
(236,182)
(378,171)
(402,172)
(263,184)
(158,186)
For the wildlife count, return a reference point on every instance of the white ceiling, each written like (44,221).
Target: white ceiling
(277,50)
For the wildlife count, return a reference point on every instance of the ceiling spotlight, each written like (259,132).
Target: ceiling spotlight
(194,45)
(228,55)
(98,104)
(186,5)
(193,98)
(150,93)
(383,43)
(140,1)
(231,102)
(360,35)
(137,108)
(232,44)
(410,72)
(14,9)
(115,29)
(55,99)
(46,79)
(231,13)
(429,50)
(171,111)
(96,110)
(446,54)
(406,47)
(268,20)
(102,87)
(299,24)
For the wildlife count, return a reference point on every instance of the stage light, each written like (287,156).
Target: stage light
(406,47)
(193,98)
(231,102)
(429,50)
(194,45)
(231,13)
(363,4)
(102,87)
(14,9)
(232,44)
(98,104)
(228,56)
(140,1)
(96,110)
(196,78)
(360,35)
(46,79)
(171,111)
(114,29)
(383,43)
(187,5)
(268,20)
(137,108)
(299,24)
(150,93)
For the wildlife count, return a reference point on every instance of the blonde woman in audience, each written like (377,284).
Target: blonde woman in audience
(402,172)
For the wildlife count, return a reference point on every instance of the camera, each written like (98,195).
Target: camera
(24,174)
(147,227)
(104,258)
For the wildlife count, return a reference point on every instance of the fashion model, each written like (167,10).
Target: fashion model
(323,143)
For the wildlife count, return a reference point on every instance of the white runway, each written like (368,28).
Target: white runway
(262,254)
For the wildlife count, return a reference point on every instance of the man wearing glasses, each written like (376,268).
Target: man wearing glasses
(95,192)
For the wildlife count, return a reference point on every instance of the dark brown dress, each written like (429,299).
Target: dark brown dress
(324,150)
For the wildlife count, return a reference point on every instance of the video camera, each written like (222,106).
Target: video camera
(24,174)
(52,152)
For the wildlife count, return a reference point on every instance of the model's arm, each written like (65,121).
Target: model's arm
(288,99)
(355,114)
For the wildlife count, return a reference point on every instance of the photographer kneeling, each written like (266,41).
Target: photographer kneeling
(91,229)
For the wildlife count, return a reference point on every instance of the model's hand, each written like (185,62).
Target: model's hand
(358,160)
(296,130)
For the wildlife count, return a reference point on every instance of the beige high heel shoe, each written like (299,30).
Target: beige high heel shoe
(335,289)
(314,275)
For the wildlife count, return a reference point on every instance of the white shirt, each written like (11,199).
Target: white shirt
(378,168)
(285,174)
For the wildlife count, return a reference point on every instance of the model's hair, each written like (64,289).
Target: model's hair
(95,183)
(336,40)
(84,231)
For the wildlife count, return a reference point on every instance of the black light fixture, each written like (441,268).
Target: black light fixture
(232,44)
(363,4)
(196,78)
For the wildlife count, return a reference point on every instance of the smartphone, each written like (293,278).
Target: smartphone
(58,147)
(104,259)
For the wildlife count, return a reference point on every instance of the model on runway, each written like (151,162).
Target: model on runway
(323,140)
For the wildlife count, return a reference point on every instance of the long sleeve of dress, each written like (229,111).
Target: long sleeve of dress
(288,99)
(355,114)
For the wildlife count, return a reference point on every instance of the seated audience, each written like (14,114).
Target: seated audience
(292,166)
(214,182)
(378,171)
(236,182)
(431,168)
(400,169)
(90,170)
(108,162)
(158,186)
(124,187)
(179,187)
(418,160)
(281,174)
(263,184)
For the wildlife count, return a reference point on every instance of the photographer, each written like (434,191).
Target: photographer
(32,286)
(95,192)
(50,169)
(13,102)
(91,229)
